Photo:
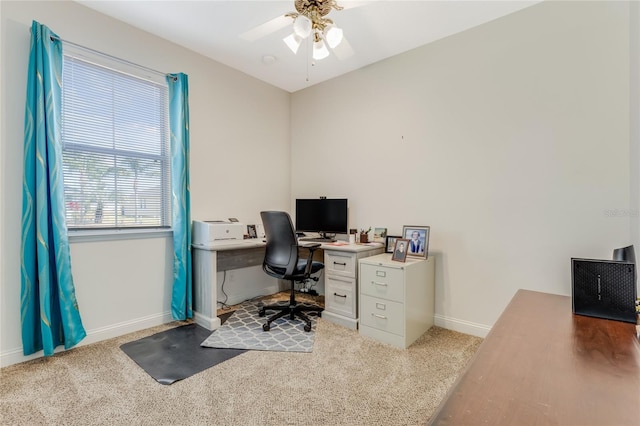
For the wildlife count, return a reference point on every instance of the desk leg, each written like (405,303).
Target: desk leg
(205,297)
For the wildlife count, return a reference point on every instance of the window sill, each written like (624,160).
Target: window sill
(90,235)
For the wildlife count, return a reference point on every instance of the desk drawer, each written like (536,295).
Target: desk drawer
(381,281)
(340,296)
(340,263)
(382,314)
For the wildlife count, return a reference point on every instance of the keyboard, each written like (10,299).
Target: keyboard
(317,240)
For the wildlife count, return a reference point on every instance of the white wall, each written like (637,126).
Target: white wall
(239,165)
(521,130)
(634,116)
(510,140)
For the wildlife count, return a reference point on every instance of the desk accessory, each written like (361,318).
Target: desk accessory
(419,240)
(379,235)
(400,250)
(390,243)
(604,289)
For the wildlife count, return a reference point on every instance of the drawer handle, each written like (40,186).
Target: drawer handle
(342,281)
(340,263)
(340,295)
(379,316)
(381,274)
(377,283)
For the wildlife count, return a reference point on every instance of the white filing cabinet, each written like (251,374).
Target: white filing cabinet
(340,282)
(396,299)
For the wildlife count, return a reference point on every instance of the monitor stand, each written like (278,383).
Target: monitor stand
(324,238)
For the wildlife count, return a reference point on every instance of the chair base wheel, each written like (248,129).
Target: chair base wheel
(261,313)
(266,327)
(307,327)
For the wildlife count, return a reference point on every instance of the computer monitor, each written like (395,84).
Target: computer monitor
(325,216)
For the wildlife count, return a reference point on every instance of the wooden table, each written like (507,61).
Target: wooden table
(542,365)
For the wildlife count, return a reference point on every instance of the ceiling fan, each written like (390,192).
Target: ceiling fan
(310,19)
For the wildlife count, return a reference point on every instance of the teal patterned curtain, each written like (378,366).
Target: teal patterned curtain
(48,306)
(182,296)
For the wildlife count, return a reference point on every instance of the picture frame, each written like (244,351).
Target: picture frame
(379,235)
(418,237)
(390,242)
(400,250)
(251,230)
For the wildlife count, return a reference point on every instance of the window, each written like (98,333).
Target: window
(115,143)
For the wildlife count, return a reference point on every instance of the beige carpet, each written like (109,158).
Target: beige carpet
(346,380)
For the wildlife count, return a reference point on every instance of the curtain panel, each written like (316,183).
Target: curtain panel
(49,310)
(182,292)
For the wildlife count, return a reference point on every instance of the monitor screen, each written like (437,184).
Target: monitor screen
(322,215)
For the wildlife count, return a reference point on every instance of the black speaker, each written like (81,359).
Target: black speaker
(625,254)
(604,289)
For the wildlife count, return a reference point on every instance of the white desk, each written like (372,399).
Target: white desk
(341,281)
(205,271)
(250,252)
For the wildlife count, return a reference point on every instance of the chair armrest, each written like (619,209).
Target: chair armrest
(312,247)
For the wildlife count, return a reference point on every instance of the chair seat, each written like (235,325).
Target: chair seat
(299,271)
(302,264)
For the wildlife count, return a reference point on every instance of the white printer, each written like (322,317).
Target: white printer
(210,231)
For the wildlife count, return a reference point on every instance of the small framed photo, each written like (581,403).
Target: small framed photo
(400,250)
(379,235)
(251,230)
(390,243)
(418,237)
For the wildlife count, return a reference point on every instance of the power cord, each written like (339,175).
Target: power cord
(223,304)
(307,285)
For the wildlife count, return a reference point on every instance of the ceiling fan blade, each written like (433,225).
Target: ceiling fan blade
(346,5)
(343,50)
(267,28)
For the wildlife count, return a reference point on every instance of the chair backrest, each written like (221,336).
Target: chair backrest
(281,254)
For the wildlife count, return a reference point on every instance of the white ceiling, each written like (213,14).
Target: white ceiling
(241,34)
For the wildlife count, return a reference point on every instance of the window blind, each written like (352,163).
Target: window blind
(115,139)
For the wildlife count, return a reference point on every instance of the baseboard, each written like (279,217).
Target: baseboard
(350,323)
(206,322)
(461,326)
(15,356)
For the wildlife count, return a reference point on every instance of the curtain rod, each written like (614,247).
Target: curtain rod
(163,74)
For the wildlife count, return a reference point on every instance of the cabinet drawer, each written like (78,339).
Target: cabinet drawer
(381,281)
(340,296)
(338,263)
(382,314)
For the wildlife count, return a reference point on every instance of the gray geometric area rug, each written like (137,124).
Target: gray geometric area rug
(243,330)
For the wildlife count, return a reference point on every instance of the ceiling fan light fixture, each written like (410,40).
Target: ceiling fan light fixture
(320,51)
(311,18)
(302,26)
(293,41)
(333,36)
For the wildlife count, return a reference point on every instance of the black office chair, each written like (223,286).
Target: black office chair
(281,261)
